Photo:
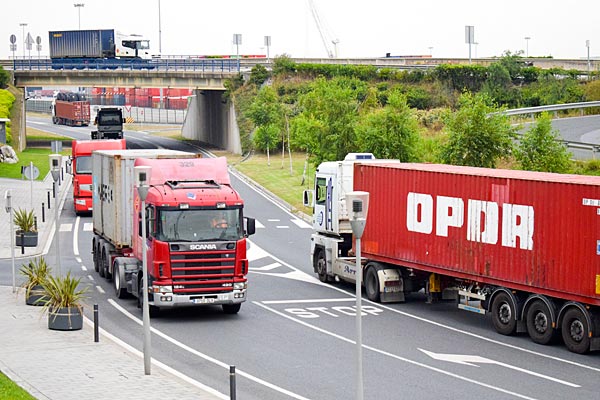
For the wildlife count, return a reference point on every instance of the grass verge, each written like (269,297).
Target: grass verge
(10,390)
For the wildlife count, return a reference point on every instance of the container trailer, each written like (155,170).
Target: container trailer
(522,246)
(196,247)
(71,109)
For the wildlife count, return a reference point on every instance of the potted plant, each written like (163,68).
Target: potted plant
(64,303)
(27,234)
(36,272)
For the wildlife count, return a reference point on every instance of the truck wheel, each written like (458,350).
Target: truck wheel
(120,292)
(105,266)
(539,323)
(95,255)
(504,314)
(321,266)
(372,284)
(101,260)
(231,308)
(576,331)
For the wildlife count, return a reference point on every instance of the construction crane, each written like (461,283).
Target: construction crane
(326,36)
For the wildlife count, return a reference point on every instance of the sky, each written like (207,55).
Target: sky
(361,28)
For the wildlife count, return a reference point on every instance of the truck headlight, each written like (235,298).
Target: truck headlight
(162,289)
(240,285)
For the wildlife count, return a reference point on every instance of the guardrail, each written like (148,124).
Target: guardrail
(199,65)
(552,107)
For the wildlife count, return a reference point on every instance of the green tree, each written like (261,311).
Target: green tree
(390,132)
(267,114)
(266,137)
(477,134)
(329,113)
(540,149)
(259,74)
(4,78)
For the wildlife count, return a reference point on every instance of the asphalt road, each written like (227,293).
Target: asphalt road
(294,337)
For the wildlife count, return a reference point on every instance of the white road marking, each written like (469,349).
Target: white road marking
(255,253)
(65,228)
(301,301)
(472,360)
(301,223)
(88,227)
(90,277)
(100,289)
(397,357)
(296,275)
(282,227)
(266,267)
(273,220)
(205,356)
(78,259)
(75,235)
(259,225)
(440,325)
(83,268)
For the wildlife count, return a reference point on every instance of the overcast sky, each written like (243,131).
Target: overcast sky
(363,28)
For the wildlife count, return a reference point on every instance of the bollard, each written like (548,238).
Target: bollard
(22,243)
(43,213)
(48,199)
(232,382)
(35,222)
(96,337)
(53,191)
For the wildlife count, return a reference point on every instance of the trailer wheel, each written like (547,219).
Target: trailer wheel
(321,266)
(95,255)
(539,323)
(372,284)
(576,331)
(231,308)
(101,260)
(504,314)
(120,292)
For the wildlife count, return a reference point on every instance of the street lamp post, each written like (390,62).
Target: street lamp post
(9,210)
(142,180)
(23,24)
(527,46)
(78,6)
(587,44)
(55,165)
(237,40)
(358,219)
(159,32)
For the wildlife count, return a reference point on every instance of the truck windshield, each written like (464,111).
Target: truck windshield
(196,225)
(83,165)
(110,119)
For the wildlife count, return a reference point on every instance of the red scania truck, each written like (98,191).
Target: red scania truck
(522,246)
(80,165)
(196,229)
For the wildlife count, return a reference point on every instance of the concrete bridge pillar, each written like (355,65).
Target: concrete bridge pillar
(211,119)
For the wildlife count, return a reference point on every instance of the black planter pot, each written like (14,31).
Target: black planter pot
(30,239)
(65,319)
(36,296)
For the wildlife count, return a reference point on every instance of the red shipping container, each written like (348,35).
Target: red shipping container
(536,232)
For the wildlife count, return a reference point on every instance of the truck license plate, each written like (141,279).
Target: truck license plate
(203,301)
(391,289)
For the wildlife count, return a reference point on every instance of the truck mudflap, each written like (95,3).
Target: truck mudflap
(391,286)
(168,299)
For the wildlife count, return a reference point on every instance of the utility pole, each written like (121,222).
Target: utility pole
(78,7)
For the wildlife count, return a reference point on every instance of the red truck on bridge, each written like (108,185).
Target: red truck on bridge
(196,247)
(522,246)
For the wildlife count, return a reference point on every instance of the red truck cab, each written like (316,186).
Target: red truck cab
(81,168)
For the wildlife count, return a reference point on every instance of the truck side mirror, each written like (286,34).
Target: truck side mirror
(250,226)
(308,198)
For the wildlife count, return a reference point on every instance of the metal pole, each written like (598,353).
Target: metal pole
(56,233)
(232,395)
(146,309)
(31,183)
(359,367)
(159,32)
(12,249)
(96,336)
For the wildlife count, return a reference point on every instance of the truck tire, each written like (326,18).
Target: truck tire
(504,314)
(119,280)
(371,282)
(101,259)
(576,331)
(95,254)
(539,323)
(320,265)
(231,308)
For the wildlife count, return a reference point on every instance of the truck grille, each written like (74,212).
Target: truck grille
(202,271)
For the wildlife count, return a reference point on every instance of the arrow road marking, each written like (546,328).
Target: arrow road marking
(472,360)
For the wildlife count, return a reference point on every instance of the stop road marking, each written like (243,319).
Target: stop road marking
(336,311)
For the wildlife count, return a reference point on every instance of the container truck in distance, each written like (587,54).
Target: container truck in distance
(70,109)
(80,166)
(521,246)
(196,230)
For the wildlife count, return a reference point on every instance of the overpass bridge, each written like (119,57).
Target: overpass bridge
(209,118)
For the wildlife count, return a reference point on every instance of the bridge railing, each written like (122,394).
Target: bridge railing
(198,65)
